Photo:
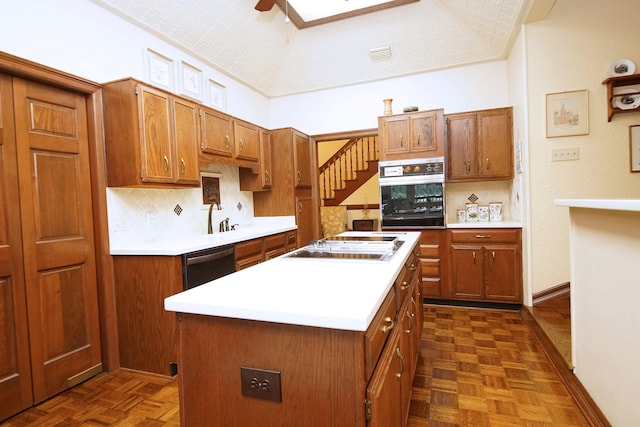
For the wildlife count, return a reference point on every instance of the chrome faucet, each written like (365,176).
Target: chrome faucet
(209,225)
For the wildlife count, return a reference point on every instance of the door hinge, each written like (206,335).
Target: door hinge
(367,409)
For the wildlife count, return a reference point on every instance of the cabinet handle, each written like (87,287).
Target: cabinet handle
(474,257)
(266,176)
(166,164)
(241,144)
(404,286)
(184,166)
(418,138)
(299,207)
(488,163)
(299,174)
(413,267)
(493,255)
(468,165)
(401,140)
(483,236)
(415,306)
(227,141)
(399,374)
(387,328)
(410,317)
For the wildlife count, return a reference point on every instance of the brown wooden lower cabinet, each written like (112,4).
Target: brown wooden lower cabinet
(329,377)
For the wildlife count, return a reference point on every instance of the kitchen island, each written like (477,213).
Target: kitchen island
(294,342)
(605,289)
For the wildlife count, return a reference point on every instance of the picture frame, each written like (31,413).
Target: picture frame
(190,81)
(159,70)
(210,188)
(567,113)
(634,148)
(217,95)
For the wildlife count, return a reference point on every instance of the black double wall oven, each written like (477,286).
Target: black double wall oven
(412,193)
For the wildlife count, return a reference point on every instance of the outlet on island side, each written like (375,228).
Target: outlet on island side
(261,384)
(561,154)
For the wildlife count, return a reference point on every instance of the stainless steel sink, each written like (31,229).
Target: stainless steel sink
(364,248)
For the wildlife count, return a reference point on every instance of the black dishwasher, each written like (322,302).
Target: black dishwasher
(206,265)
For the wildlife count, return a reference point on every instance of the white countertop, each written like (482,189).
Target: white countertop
(191,243)
(485,224)
(337,294)
(610,204)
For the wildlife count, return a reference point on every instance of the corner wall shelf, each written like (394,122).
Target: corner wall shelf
(614,82)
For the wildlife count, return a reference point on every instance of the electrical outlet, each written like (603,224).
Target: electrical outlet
(561,154)
(261,384)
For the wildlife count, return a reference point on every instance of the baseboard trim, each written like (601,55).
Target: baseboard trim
(558,291)
(592,414)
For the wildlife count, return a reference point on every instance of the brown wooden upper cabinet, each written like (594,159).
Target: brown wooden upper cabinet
(228,140)
(480,145)
(217,133)
(302,159)
(260,181)
(411,135)
(151,136)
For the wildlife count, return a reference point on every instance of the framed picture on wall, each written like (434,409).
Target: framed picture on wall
(160,70)
(568,113)
(190,81)
(217,95)
(634,147)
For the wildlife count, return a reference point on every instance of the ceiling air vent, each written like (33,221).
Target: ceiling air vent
(380,52)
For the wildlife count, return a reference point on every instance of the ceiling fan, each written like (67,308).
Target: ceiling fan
(265,5)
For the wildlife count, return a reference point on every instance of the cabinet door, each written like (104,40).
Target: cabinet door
(495,144)
(247,140)
(302,159)
(305,218)
(15,372)
(503,278)
(185,119)
(383,391)
(156,149)
(395,135)
(467,267)
(423,133)
(265,158)
(432,252)
(57,236)
(217,133)
(461,147)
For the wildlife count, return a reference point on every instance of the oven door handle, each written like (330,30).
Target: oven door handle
(209,257)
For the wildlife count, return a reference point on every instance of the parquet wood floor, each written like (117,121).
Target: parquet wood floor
(477,367)
(554,317)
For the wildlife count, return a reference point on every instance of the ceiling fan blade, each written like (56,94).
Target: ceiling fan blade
(265,5)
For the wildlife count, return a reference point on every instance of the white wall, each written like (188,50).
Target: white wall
(467,88)
(572,50)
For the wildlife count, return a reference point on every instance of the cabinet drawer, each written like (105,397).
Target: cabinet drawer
(378,332)
(508,235)
(430,267)
(249,248)
(276,241)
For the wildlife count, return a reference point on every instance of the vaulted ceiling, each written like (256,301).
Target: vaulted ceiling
(264,52)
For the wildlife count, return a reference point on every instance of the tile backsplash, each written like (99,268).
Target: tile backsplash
(152,214)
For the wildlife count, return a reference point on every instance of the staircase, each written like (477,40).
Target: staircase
(348,169)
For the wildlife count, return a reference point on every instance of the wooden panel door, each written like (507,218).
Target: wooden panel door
(495,144)
(502,273)
(185,119)
(217,133)
(305,220)
(461,147)
(423,133)
(15,372)
(395,135)
(302,159)
(57,234)
(467,266)
(247,144)
(156,148)
(384,389)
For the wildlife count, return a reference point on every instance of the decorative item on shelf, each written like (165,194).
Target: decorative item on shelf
(387,106)
(365,209)
(622,67)
(410,109)
(626,99)
(461,215)
(472,212)
(483,213)
(495,211)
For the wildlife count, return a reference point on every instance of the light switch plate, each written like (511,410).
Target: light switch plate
(562,154)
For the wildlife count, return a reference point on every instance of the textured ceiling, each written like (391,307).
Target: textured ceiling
(275,58)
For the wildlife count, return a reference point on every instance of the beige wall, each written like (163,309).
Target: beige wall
(572,50)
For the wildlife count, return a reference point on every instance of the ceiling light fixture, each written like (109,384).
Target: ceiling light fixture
(382,52)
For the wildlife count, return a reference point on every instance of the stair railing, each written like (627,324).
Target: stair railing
(344,164)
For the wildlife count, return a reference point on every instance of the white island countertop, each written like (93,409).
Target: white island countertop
(632,205)
(338,294)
